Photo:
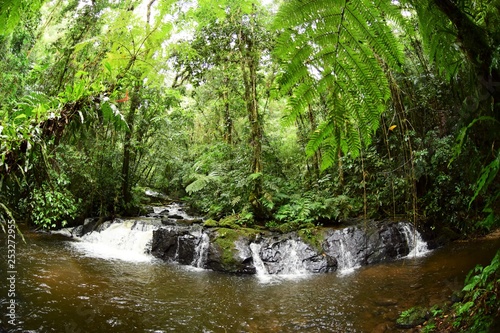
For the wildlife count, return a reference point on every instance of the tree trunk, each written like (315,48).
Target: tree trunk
(227,120)
(316,158)
(127,149)
(249,65)
(475,45)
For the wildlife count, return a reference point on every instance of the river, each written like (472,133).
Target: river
(62,289)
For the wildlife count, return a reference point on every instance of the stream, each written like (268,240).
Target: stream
(61,287)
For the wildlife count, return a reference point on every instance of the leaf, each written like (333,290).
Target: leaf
(322,56)
(488,174)
(254,176)
(462,135)
(107,65)
(391,128)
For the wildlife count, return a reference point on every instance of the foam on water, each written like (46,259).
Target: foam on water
(122,240)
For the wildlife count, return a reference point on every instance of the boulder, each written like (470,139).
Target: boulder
(240,250)
(229,251)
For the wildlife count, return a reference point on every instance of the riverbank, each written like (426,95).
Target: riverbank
(473,307)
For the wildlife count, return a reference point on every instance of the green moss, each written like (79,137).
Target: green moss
(226,239)
(231,221)
(210,223)
(314,237)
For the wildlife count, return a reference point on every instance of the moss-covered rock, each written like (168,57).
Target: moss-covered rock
(231,222)
(210,223)
(229,250)
(412,317)
(314,237)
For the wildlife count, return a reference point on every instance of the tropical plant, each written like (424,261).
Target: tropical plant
(339,50)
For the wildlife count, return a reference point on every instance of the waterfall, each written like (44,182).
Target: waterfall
(416,245)
(127,240)
(201,251)
(286,265)
(291,262)
(346,261)
(260,268)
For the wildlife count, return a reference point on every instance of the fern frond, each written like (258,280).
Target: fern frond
(201,181)
(338,49)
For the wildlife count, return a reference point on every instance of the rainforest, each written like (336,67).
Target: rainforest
(226,134)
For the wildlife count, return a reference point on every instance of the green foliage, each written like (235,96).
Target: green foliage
(201,181)
(480,305)
(352,82)
(412,317)
(439,37)
(52,205)
(13,11)
(338,50)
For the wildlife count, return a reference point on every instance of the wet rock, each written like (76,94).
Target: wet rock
(229,251)
(168,221)
(175,216)
(142,224)
(288,254)
(91,224)
(186,248)
(368,244)
(457,296)
(176,244)
(165,244)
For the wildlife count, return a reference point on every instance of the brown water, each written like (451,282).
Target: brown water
(58,289)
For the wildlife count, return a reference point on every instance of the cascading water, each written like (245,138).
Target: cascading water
(416,245)
(126,240)
(201,251)
(260,267)
(285,262)
(346,261)
(292,264)
(180,238)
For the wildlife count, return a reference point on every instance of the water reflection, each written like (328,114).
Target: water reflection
(61,290)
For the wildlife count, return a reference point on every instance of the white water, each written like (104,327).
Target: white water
(346,261)
(417,246)
(201,251)
(290,261)
(123,240)
(260,269)
(173,209)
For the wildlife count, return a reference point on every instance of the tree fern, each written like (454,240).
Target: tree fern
(338,49)
(201,181)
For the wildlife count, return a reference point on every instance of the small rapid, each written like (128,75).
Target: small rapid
(61,289)
(125,240)
(418,247)
(170,234)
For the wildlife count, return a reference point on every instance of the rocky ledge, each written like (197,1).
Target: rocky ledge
(250,251)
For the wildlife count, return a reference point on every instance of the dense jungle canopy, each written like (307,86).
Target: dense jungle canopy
(287,114)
